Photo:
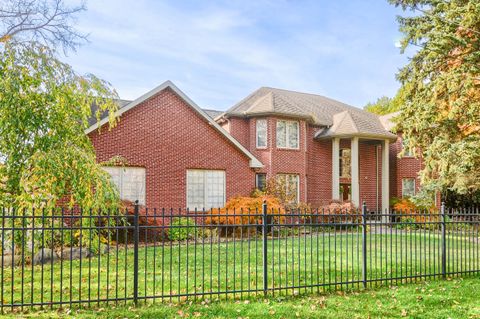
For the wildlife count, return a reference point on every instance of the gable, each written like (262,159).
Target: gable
(173,108)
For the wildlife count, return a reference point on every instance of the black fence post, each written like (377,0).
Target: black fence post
(136,238)
(265,246)
(444,241)
(364,244)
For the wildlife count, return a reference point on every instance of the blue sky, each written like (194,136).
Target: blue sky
(218,52)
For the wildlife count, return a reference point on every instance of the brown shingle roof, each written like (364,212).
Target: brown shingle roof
(337,118)
(93,119)
(122,103)
(213,113)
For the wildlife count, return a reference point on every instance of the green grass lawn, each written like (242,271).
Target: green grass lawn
(234,268)
(455,298)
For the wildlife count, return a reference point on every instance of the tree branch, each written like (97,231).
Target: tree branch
(49,22)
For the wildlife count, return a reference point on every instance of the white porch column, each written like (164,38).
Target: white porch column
(336,168)
(355,172)
(385,178)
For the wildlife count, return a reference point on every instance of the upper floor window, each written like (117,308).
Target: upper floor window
(345,162)
(287,134)
(407,150)
(261,133)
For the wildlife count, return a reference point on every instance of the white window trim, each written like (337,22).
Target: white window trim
(204,185)
(266,134)
(286,147)
(414,186)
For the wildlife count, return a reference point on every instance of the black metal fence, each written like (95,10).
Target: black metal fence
(60,259)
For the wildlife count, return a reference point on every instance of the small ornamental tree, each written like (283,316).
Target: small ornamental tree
(46,158)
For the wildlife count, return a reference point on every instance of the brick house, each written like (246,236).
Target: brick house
(179,155)
(175,154)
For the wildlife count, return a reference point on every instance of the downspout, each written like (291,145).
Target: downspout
(376,178)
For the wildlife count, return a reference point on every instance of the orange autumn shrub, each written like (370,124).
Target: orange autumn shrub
(404,205)
(243,215)
(409,211)
(339,212)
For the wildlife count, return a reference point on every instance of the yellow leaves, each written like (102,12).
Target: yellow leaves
(467,130)
(5,38)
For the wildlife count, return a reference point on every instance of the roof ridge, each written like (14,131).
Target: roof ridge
(353,121)
(288,100)
(260,100)
(243,100)
(313,94)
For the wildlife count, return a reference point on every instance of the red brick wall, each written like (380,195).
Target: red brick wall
(239,128)
(167,137)
(278,160)
(312,161)
(406,167)
(319,169)
(393,169)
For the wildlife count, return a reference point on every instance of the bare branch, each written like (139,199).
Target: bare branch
(49,22)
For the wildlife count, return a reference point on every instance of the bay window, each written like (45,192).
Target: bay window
(287,134)
(261,133)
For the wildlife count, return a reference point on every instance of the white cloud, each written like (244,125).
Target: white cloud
(218,52)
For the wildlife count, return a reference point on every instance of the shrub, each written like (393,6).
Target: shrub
(243,215)
(403,205)
(405,208)
(407,223)
(181,228)
(277,188)
(336,212)
(154,232)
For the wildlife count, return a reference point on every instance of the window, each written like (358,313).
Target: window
(407,151)
(261,133)
(261,181)
(290,182)
(408,187)
(345,162)
(205,189)
(130,182)
(287,134)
